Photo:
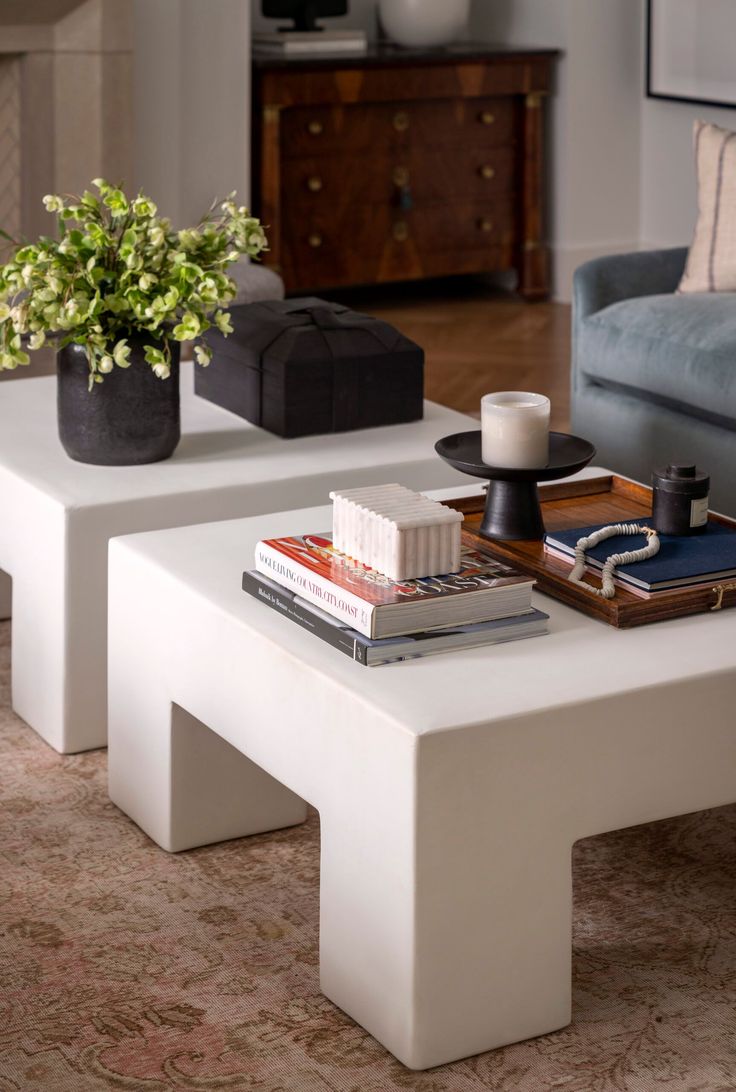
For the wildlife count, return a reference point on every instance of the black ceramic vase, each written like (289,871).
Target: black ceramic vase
(132,417)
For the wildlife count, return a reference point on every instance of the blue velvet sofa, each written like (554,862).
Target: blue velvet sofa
(653,372)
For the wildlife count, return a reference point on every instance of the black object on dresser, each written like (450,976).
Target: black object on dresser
(304,366)
(398,164)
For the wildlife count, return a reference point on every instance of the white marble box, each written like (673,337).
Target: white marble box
(402,534)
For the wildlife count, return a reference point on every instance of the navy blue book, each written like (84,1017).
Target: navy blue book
(681,561)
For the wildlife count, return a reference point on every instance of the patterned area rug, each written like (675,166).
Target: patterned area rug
(122,967)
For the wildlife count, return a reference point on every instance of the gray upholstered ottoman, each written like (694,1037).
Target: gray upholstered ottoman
(255,283)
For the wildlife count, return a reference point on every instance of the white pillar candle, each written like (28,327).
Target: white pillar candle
(515,429)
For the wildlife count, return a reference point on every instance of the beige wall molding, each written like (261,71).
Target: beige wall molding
(10,161)
(66,74)
(192,103)
(66,109)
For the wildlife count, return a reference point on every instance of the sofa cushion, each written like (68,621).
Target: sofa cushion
(679,350)
(711,263)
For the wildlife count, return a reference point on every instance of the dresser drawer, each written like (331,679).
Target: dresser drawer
(376,126)
(408,178)
(400,164)
(356,244)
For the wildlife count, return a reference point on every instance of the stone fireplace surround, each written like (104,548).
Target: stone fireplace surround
(65,101)
(65,105)
(98,87)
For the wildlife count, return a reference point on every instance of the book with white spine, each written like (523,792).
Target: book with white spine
(297,42)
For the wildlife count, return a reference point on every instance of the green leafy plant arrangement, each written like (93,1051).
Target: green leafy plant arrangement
(118,269)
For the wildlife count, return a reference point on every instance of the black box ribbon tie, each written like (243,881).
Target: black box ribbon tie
(333,323)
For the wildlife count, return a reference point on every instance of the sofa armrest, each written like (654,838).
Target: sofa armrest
(608,280)
(604,281)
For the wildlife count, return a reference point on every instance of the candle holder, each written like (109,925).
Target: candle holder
(512,506)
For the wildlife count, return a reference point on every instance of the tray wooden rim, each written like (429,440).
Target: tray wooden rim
(626,610)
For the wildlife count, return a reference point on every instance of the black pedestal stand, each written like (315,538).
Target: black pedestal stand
(512,508)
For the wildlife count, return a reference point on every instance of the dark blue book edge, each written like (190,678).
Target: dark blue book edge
(680,559)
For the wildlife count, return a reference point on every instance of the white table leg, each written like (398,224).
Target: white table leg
(183,784)
(445,929)
(33,550)
(6,595)
(58,562)
(180,782)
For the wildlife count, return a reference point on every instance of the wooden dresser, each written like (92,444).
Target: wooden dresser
(399,164)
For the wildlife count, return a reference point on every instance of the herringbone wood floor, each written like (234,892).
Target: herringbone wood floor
(478,340)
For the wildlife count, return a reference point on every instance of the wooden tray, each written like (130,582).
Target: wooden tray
(607,499)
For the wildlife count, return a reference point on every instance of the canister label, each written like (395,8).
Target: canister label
(699,512)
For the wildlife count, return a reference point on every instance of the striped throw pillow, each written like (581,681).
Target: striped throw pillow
(711,263)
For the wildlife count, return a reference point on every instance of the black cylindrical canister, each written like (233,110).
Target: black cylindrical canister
(680,500)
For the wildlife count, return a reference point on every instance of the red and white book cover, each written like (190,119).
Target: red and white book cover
(310,566)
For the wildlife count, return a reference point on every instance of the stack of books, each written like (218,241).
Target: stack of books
(683,561)
(375,620)
(297,43)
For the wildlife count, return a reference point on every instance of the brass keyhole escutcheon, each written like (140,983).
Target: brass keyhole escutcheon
(315,240)
(486,117)
(314,184)
(315,128)
(400,176)
(487,171)
(401,121)
(485,225)
(401,231)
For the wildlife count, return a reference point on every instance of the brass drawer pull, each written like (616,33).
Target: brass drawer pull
(486,117)
(400,176)
(401,121)
(314,184)
(315,128)
(401,231)
(485,225)
(315,240)
(486,171)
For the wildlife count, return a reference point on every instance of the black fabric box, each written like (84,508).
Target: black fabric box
(305,366)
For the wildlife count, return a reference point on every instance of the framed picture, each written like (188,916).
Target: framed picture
(691,48)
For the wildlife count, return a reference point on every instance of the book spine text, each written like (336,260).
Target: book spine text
(284,604)
(339,602)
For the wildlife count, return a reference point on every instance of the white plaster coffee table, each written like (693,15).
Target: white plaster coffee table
(450,789)
(56,517)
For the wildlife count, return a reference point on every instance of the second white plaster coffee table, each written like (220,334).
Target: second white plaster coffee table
(450,789)
(56,517)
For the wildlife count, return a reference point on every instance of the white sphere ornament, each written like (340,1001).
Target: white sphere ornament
(418,23)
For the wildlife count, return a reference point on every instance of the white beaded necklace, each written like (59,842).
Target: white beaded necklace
(607,591)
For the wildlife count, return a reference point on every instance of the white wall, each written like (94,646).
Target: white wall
(192,103)
(622,166)
(593,118)
(668,191)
